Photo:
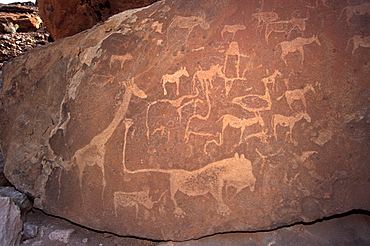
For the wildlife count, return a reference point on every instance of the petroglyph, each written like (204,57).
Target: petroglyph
(296,45)
(120,59)
(305,155)
(271,79)
(237,123)
(352,10)
(232,29)
(262,136)
(188,23)
(206,77)
(134,199)
(157,27)
(253,97)
(264,157)
(176,103)
(94,152)
(285,27)
(174,78)
(298,94)
(233,50)
(288,121)
(264,18)
(231,172)
(359,41)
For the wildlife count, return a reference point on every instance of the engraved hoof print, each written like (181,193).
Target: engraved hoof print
(179,213)
(224,210)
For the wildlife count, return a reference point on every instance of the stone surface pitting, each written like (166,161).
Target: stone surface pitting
(189,118)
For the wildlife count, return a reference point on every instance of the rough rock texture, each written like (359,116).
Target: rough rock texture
(349,230)
(47,226)
(189,118)
(25,17)
(19,198)
(10,222)
(68,17)
(352,229)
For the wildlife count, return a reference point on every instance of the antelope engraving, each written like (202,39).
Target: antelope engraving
(134,199)
(178,103)
(237,123)
(174,78)
(188,23)
(296,45)
(264,17)
(206,77)
(288,121)
(298,94)
(352,10)
(271,79)
(231,172)
(120,59)
(285,26)
(359,41)
(232,29)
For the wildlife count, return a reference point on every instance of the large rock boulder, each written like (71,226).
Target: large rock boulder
(25,18)
(68,17)
(10,222)
(188,118)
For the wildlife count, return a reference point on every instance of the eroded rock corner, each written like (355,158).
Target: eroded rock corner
(189,118)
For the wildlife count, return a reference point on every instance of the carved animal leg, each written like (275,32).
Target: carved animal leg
(242,129)
(302,54)
(178,211)
(164,88)
(223,209)
(177,86)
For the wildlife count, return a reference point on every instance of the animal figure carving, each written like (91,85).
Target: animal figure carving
(288,121)
(232,29)
(188,23)
(298,94)
(235,122)
(174,78)
(285,26)
(266,99)
(134,199)
(120,59)
(271,79)
(231,172)
(94,152)
(296,45)
(206,77)
(264,17)
(359,41)
(352,10)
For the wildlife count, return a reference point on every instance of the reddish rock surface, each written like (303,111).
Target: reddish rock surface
(189,118)
(25,17)
(68,17)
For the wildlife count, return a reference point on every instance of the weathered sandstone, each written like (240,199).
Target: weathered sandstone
(68,17)
(188,118)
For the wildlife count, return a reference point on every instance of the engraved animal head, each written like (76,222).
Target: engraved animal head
(315,39)
(241,175)
(309,87)
(183,72)
(306,117)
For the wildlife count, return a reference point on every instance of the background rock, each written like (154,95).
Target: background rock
(68,17)
(25,17)
(10,222)
(190,118)
(19,198)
